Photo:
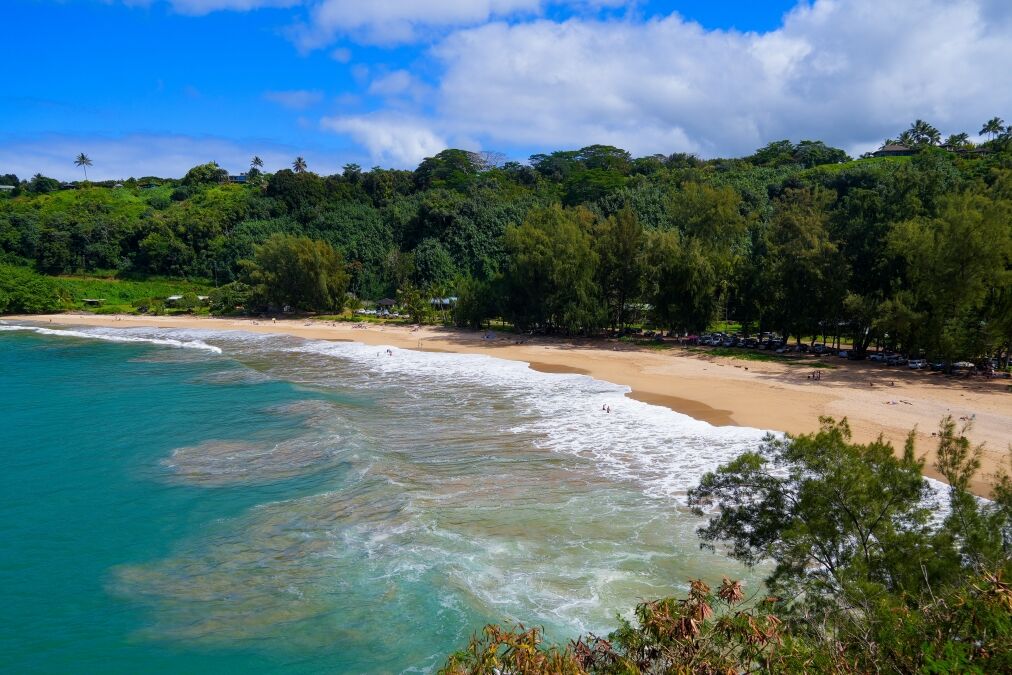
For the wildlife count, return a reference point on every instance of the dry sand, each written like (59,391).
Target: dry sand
(723,391)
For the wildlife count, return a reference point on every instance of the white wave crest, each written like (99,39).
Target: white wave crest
(113,335)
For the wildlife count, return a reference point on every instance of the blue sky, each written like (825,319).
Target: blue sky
(154,86)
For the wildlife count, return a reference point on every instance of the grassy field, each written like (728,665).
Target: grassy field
(119,295)
(749,355)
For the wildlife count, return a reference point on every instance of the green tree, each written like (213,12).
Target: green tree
(549,280)
(954,263)
(298,272)
(831,514)
(412,300)
(433,264)
(205,174)
(22,291)
(619,243)
(993,127)
(299,165)
(924,134)
(810,276)
(683,282)
(83,161)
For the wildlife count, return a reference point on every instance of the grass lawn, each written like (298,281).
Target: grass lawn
(122,296)
(747,355)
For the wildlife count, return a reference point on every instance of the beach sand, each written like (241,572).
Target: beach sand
(720,390)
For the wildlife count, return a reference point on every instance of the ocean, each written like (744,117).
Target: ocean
(210,502)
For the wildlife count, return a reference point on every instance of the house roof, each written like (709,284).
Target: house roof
(894,147)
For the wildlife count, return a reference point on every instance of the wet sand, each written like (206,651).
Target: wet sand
(722,391)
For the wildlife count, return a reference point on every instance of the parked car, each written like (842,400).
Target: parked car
(844,354)
(939,365)
(895,360)
(877,357)
(917,364)
(818,349)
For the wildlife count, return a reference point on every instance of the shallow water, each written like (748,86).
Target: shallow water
(193,501)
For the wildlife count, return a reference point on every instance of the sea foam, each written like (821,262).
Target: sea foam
(114,335)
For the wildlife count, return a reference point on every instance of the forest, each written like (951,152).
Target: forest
(910,252)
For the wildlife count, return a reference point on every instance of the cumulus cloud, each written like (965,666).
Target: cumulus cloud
(297,99)
(391,139)
(849,72)
(146,155)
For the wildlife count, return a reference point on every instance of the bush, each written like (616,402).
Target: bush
(23,291)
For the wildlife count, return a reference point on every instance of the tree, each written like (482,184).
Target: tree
(809,273)
(549,278)
(413,301)
(993,127)
(299,165)
(830,514)
(619,242)
(299,272)
(83,161)
(352,173)
(954,263)
(205,174)
(960,141)
(683,281)
(924,134)
(433,264)
(256,163)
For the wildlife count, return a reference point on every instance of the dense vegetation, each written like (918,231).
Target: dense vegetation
(862,579)
(911,252)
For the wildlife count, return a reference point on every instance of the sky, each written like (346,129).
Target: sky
(153,87)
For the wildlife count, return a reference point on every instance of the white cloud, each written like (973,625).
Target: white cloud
(147,155)
(849,72)
(200,7)
(297,99)
(390,139)
(398,21)
(341,55)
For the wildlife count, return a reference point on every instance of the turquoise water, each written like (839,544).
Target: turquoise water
(234,503)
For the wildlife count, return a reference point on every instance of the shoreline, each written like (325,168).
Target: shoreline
(722,391)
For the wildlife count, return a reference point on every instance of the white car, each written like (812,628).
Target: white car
(917,364)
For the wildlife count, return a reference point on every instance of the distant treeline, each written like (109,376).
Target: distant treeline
(912,251)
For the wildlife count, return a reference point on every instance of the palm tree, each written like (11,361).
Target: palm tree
(299,165)
(925,134)
(84,162)
(907,139)
(958,140)
(993,127)
(256,162)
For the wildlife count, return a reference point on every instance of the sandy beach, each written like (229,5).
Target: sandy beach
(722,391)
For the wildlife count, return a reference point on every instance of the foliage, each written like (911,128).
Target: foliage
(23,291)
(297,272)
(911,253)
(862,581)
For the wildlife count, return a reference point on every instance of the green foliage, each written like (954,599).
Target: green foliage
(205,174)
(861,580)
(297,272)
(23,291)
(549,280)
(908,252)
